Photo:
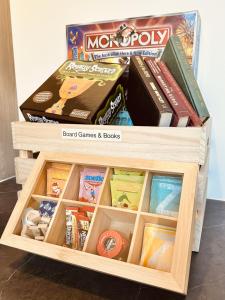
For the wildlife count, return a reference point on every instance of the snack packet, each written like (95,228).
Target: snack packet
(71,228)
(165,195)
(130,178)
(119,171)
(56,179)
(157,248)
(77,225)
(83,223)
(90,184)
(47,208)
(88,210)
(126,195)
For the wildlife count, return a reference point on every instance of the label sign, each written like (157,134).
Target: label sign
(92,135)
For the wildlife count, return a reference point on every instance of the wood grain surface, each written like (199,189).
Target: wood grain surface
(8,100)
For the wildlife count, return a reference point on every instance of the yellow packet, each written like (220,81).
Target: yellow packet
(157,248)
(118,171)
(56,179)
(126,194)
(130,178)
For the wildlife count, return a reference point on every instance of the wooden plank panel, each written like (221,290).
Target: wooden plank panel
(110,266)
(8,101)
(201,204)
(185,228)
(23,167)
(174,144)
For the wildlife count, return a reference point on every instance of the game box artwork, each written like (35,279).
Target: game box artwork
(116,41)
(79,92)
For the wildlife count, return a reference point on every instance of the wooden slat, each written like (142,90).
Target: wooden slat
(201,204)
(202,193)
(8,101)
(95,262)
(174,144)
(23,167)
(185,228)
(25,154)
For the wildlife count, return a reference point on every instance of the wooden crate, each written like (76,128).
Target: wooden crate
(107,217)
(169,144)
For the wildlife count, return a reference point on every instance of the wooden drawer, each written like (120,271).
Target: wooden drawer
(129,222)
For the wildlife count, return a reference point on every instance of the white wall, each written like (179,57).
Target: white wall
(40,47)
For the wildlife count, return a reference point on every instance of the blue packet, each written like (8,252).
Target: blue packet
(47,208)
(165,195)
(123,118)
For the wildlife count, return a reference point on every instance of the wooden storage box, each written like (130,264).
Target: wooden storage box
(170,144)
(128,222)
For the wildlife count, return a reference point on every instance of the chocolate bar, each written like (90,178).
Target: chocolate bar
(77,225)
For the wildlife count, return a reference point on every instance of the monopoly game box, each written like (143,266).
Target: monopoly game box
(116,41)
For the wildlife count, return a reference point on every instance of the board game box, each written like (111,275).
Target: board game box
(79,92)
(116,41)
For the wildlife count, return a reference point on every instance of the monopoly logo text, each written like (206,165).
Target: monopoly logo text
(151,38)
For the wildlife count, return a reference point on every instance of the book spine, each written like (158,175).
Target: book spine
(190,81)
(151,85)
(169,77)
(178,106)
(195,54)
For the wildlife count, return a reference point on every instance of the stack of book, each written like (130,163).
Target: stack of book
(165,92)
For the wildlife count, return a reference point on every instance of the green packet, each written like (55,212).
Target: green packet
(118,171)
(130,178)
(126,194)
